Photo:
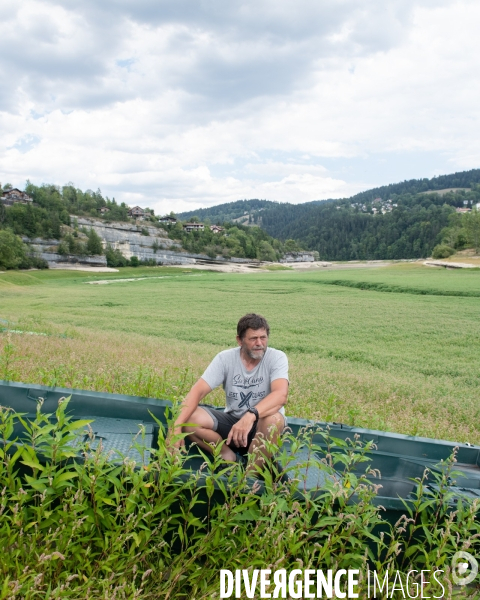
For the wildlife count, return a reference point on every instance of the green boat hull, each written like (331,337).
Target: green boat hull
(399,458)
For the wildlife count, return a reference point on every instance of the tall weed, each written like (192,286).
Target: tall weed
(74,524)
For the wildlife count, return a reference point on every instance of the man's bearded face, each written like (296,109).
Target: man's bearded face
(254,343)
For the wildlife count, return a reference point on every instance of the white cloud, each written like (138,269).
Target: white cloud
(175,105)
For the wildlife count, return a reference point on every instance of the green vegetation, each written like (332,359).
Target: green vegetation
(403,220)
(399,361)
(228,211)
(88,528)
(442,251)
(14,254)
(463,179)
(412,219)
(68,200)
(12,250)
(83,243)
(50,217)
(463,231)
(236,241)
(409,227)
(52,207)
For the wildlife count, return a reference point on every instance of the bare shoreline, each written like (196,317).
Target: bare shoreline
(299,266)
(244,268)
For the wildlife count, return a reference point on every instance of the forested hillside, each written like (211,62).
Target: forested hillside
(235,240)
(52,214)
(400,220)
(229,211)
(52,207)
(369,226)
(342,232)
(463,179)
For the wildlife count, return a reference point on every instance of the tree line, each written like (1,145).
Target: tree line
(236,241)
(463,231)
(228,211)
(52,216)
(404,220)
(411,225)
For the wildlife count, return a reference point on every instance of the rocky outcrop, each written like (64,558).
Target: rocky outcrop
(54,259)
(297,257)
(143,241)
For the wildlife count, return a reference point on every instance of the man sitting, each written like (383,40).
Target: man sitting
(255,380)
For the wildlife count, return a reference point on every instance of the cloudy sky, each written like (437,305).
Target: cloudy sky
(178,104)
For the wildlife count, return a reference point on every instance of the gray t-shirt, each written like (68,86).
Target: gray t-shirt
(244,389)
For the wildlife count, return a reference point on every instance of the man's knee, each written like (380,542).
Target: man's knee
(271,425)
(200,419)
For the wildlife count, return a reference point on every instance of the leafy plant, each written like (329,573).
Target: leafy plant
(442,251)
(76,524)
(6,360)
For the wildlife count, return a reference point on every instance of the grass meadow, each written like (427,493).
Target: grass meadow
(393,348)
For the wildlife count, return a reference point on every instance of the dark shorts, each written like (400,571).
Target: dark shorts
(223,422)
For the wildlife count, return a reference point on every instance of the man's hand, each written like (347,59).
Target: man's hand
(199,390)
(239,432)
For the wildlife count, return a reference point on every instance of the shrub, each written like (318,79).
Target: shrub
(211,251)
(12,250)
(115,258)
(33,262)
(266,252)
(75,524)
(94,243)
(63,248)
(442,251)
(134,261)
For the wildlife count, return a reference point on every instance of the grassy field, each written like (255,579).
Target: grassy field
(393,348)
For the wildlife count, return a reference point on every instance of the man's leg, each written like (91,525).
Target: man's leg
(270,428)
(203,435)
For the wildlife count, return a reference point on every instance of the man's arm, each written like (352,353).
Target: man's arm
(198,392)
(269,405)
(275,399)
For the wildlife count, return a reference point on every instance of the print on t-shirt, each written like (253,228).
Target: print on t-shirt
(243,398)
(239,381)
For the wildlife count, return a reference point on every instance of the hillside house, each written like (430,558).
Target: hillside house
(216,229)
(104,210)
(463,210)
(13,196)
(167,220)
(193,227)
(136,212)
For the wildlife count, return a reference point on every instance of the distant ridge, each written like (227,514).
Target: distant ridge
(229,211)
(462,179)
(357,229)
